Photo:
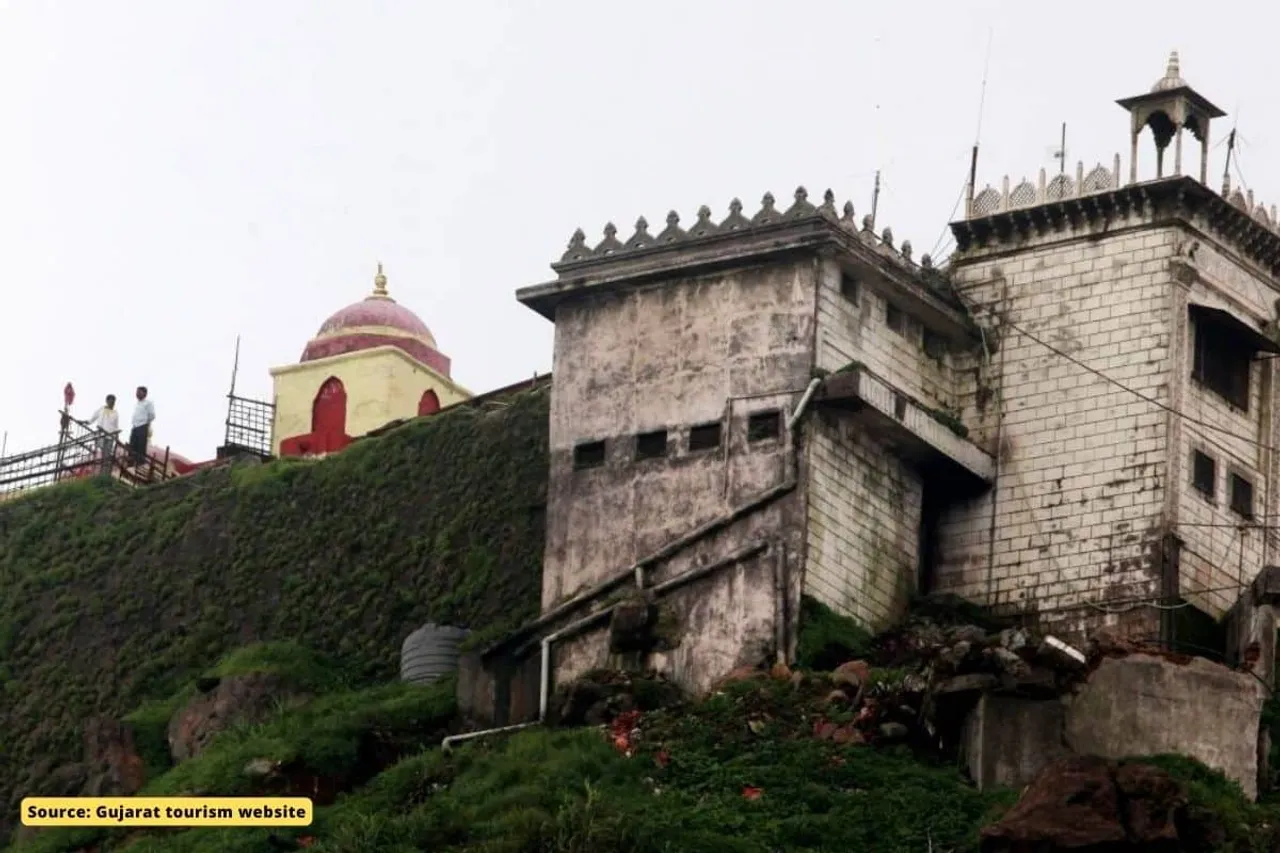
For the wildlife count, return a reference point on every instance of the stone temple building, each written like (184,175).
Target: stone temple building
(1072,422)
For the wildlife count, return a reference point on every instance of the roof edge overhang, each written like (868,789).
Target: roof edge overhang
(1175,199)
(1200,102)
(385,349)
(815,235)
(1223,318)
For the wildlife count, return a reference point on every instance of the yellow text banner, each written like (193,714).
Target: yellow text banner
(167,811)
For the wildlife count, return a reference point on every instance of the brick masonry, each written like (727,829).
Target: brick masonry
(864,502)
(1092,475)
(863,524)
(1080,499)
(1219,557)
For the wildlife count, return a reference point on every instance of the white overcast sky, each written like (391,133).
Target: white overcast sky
(175,174)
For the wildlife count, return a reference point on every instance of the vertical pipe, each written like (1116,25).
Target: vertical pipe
(544,689)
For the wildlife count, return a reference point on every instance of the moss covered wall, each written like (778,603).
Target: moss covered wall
(109,596)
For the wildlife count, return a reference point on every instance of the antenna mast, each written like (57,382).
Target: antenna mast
(1061,154)
(982,101)
(235,367)
(1226,167)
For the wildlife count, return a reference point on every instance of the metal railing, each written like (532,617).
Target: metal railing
(249,424)
(81,451)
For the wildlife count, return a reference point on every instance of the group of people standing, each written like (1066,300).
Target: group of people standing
(107,419)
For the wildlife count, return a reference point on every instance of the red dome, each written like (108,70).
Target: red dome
(376,311)
(376,321)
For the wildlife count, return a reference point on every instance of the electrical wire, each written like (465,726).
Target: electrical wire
(973,306)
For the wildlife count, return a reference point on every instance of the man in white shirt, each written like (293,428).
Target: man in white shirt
(108,420)
(143,414)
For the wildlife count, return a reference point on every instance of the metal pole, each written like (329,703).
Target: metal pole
(875,200)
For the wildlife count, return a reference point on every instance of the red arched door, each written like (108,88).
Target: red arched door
(329,413)
(429,404)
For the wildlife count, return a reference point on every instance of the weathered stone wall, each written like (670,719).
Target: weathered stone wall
(674,355)
(864,502)
(1217,558)
(1144,705)
(1081,490)
(854,327)
(864,506)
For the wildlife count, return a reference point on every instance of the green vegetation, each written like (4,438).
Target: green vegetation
(949,420)
(828,639)
(111,597)
(738,772)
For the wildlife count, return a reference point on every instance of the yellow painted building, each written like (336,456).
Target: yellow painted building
(371,363)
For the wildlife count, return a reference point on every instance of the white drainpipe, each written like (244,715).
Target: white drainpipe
(804,401)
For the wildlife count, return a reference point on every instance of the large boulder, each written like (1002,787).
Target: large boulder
(1087,804)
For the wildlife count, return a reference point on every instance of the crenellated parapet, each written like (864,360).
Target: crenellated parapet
(1060,187)
(1098,180)
(706,230)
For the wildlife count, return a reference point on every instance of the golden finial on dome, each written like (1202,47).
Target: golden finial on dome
(379,282)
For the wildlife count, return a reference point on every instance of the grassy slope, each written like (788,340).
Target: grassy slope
(739,772)
(108,598)
(572,790)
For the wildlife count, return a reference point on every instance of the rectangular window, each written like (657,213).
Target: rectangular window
(651,445)
(895,319)
(705,436)
(935,346)
(1221,363)
(1241,496)
(849,287)
(763,426)
(1204,474)
(588,455)
(899,406)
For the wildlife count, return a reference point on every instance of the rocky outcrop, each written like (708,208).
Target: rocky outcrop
(1146,704)
(225,702)
(111,759)
(1091,805)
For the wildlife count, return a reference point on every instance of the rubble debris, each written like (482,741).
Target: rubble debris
(1062,654)
(602,696)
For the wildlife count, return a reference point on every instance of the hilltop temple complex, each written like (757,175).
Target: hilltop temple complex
(1072,422)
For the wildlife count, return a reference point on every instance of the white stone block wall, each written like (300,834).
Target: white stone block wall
(856,331)
(1082,477)
(1219,559)
(862,550)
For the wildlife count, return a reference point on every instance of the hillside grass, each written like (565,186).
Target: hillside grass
(705,777)
(110,597)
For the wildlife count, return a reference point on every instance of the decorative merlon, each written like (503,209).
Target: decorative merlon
(1099,180)
(705,228)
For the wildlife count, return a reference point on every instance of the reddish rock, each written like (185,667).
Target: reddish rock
(111,759)
(1090,805)
(248,698)
(780,672)
(742,673)
(855,673)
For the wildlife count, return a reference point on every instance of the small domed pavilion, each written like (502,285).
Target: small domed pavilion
(371,363)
